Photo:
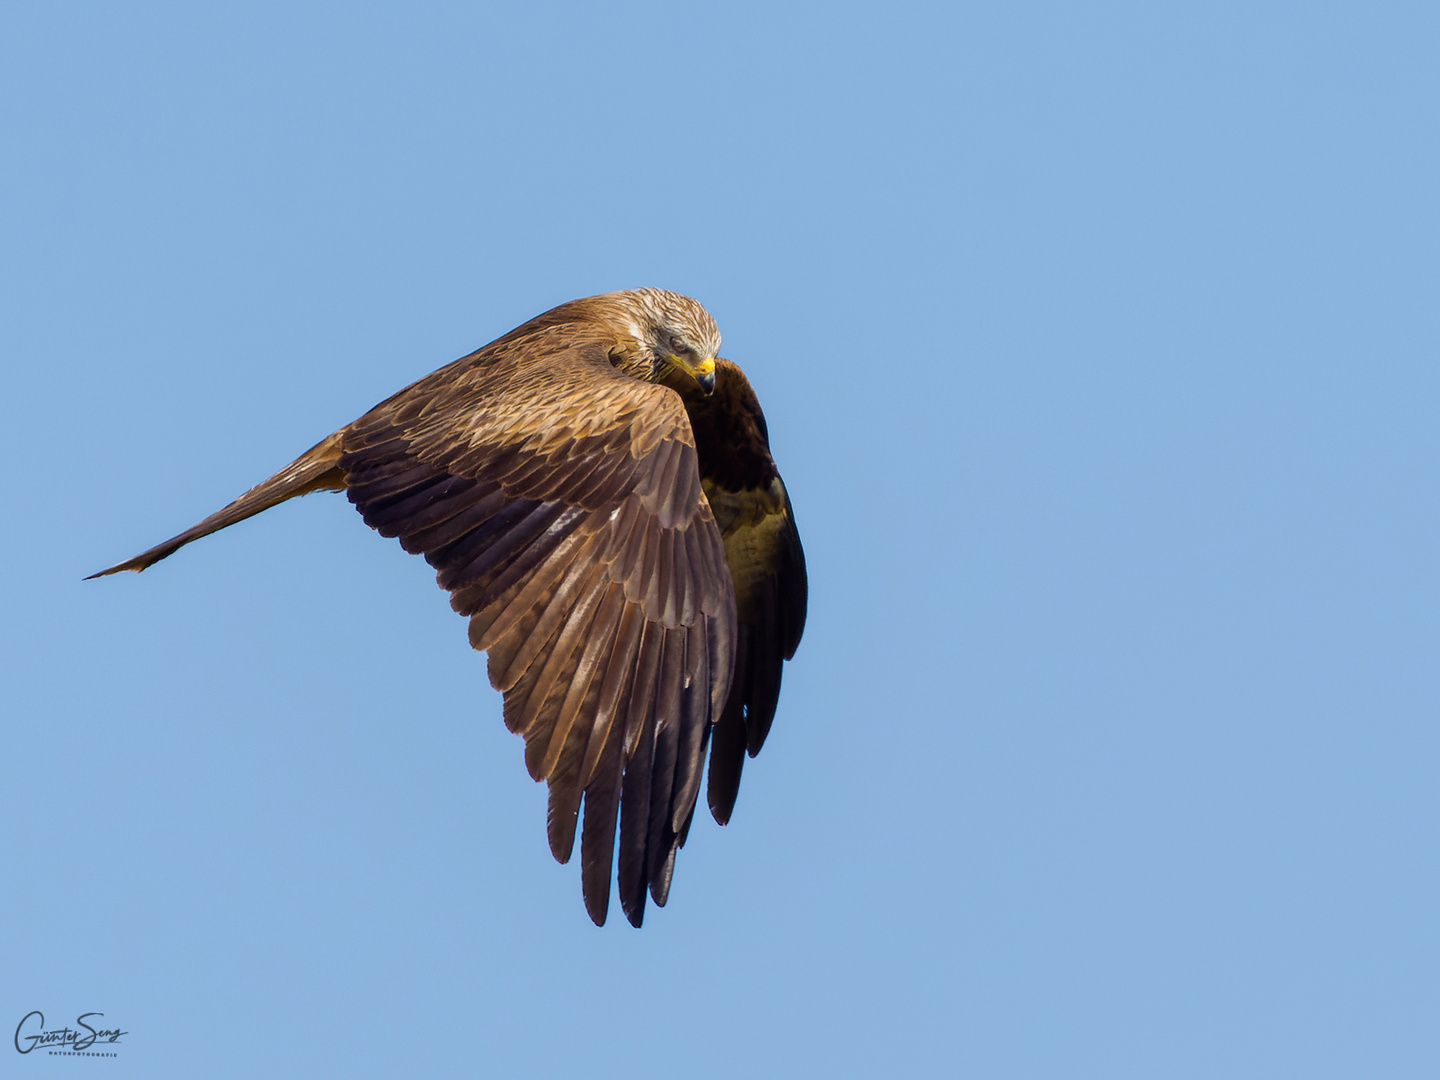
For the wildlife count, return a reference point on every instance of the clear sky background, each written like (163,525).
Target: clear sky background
(1099,348)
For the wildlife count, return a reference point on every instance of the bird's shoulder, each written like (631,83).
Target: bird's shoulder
(562,378)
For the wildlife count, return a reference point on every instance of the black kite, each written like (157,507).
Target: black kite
(595,490)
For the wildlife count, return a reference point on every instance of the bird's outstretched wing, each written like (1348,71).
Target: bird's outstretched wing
(767,567)
(560,503)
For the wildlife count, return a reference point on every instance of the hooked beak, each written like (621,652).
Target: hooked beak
(703,373)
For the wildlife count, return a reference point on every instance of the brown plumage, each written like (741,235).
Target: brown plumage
(596,492)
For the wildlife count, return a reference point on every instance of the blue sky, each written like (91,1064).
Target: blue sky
(1098,344)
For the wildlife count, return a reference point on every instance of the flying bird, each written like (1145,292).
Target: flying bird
(596,492)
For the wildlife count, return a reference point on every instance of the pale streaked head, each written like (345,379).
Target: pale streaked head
(679,332)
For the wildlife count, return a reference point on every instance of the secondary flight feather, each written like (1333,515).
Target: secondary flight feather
(596,492)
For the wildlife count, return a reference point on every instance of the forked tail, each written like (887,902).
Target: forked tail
(318,469)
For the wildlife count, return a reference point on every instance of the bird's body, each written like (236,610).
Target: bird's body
(596,491)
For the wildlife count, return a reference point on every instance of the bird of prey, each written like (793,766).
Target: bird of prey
(596,492)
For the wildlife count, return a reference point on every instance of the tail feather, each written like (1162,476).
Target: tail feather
(318,469)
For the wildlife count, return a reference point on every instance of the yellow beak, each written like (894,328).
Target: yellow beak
(703,373)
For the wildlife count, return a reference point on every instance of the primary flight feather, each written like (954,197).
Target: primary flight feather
(596,492)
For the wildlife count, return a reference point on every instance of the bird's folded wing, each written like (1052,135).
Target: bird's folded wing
(560,504)
(767,568)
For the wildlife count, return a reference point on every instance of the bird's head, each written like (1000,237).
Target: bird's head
(681,336)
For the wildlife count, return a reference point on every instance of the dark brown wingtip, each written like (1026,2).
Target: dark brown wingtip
(598,908)
(138,563)
(147,559)
(317,469)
